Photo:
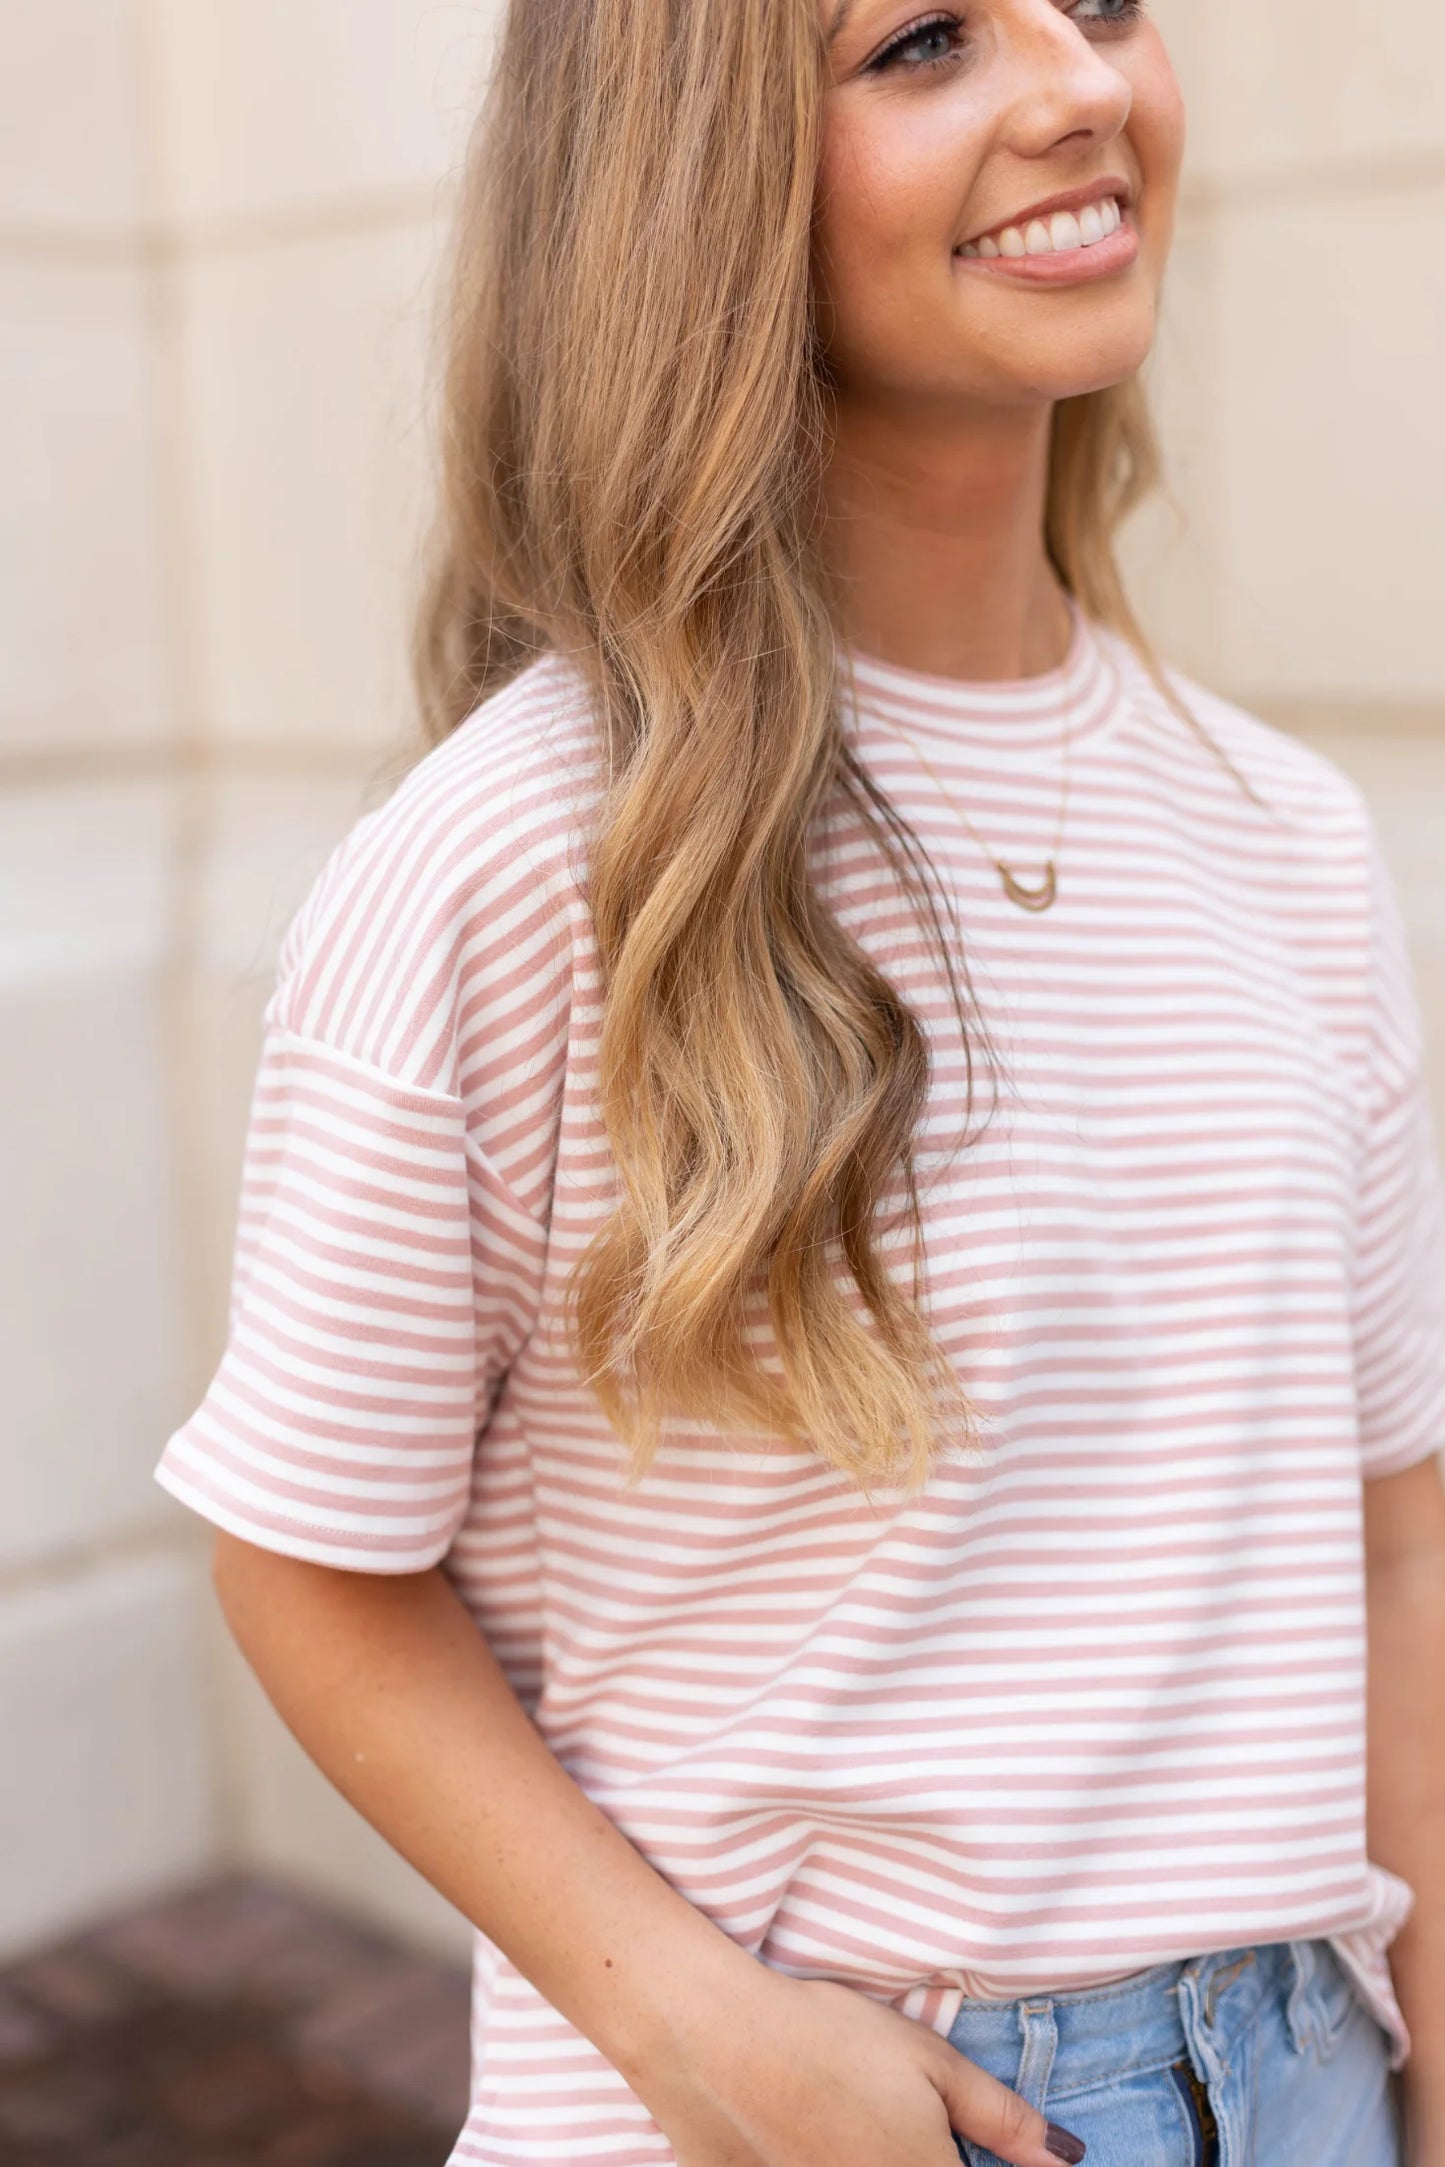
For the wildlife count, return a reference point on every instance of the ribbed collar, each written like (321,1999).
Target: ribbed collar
(1021,717)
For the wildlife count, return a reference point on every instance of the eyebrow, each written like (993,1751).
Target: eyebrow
(840,17)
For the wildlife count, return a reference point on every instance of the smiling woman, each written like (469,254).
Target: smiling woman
(864,1609)
(950,130)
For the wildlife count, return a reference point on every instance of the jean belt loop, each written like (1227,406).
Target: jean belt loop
(1297,2004)
(1189,1993)
(1040,2043)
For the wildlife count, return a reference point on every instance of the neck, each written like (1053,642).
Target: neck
(934,535)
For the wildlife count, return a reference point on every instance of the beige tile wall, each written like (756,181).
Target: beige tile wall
(283,110)
(111,1790)
(71,129)
(218,220)
(1298,373)
(82,617)
(302,361)
(217,223)
(1320,98)
(103,1682)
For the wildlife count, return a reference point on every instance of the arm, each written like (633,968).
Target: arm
(392,1691)
(1405,1592)
(403,1706)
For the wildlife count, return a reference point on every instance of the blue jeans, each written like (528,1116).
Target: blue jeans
(1246,2057)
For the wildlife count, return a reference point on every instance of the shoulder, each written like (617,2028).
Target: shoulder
(1311,797)
(1310,853)
(459,894)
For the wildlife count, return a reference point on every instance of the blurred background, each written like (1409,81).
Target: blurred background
(219,222)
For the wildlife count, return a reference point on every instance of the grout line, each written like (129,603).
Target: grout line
(35,768)
(92,247)
(164,239)
(182,546)
(1312,179)
(340,220)
(1397,721)
(148,38)
(69,1562)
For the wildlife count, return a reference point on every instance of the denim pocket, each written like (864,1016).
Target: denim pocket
(1140,2116)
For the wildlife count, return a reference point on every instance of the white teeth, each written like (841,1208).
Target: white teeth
(1055,236)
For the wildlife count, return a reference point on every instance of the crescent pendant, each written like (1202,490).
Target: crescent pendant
(1027,898)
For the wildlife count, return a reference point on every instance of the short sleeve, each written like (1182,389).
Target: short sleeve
(393,1237)
(341,1422)
(1399,1242)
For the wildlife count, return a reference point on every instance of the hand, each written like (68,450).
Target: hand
(807,2073)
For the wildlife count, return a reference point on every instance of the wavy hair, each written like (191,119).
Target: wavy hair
(634,428)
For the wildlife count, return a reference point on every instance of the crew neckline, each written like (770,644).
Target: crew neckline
(1019,717)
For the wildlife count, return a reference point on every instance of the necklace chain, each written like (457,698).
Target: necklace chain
(1038,897)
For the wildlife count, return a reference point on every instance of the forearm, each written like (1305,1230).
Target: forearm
(392,1691)
(1406,1816)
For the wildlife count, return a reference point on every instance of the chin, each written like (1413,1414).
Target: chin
(1080,360)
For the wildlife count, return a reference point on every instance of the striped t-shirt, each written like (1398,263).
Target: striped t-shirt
(1095,1698)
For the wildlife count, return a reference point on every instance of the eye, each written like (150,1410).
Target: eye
(1112,14)
(932,43)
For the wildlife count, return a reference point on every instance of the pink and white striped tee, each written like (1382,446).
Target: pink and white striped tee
(1095,1699)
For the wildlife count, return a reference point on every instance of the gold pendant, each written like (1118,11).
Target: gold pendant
(1027,898)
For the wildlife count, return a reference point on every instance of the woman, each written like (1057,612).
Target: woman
(840,1197)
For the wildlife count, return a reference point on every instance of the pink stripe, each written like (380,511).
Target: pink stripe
(1093,1700)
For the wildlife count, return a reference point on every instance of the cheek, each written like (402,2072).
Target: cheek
(890,192)
(889,203)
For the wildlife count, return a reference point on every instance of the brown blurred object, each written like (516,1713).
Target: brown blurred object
(237,2024)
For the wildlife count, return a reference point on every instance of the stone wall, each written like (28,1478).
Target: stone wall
(218,224)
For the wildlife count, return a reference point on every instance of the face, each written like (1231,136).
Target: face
(967,245)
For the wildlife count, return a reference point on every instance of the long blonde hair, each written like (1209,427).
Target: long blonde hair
(634,429)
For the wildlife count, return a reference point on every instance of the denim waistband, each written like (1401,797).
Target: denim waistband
(1139,2022)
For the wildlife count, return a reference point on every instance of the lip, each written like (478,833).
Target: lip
(1069,199)
(1072,267)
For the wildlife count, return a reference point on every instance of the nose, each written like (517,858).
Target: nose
(1065,90)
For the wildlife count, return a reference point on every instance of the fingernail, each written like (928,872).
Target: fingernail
(1063,2145)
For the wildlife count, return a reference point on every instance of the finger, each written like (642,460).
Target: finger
(991,2114)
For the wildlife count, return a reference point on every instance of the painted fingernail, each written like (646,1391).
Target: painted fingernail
(1063,2145)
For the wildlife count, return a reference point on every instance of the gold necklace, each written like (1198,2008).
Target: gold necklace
(1035,898)
(1038,897)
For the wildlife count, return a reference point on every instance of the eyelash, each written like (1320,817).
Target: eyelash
(882,62)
